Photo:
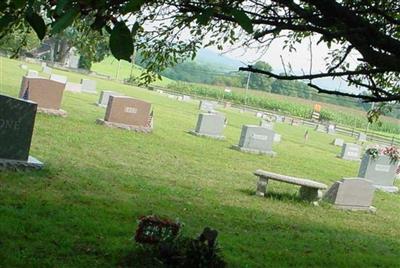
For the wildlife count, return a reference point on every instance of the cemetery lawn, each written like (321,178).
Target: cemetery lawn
(81,210)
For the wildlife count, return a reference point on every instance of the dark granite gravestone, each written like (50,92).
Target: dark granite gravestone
(17,119)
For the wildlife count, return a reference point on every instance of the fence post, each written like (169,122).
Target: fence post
(392,141)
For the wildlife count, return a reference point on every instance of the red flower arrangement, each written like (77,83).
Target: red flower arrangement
(153,229)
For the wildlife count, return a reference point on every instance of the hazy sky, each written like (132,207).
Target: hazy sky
(299,60)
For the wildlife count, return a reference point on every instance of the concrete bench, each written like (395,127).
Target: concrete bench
(310,190)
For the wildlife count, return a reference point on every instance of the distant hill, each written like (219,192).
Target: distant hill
(209,57)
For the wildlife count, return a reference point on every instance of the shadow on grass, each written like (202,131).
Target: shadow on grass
(286,197)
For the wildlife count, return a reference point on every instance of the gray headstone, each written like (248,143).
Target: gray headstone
(331,129)
(88,86)
(362,137)
(186,98)
(32,73)
(208,106)
(257,139)
(59,78)
(279,118)
(381,171)
(46,69)
(266,124)
(17,119)
(105,96)
(210,125)
(351,193)
(338,142)
(351,151)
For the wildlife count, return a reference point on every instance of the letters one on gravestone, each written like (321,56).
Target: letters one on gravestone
(128,113)
(351,194)
(256,139)
(89,86)
(105,97)
(351,151)
(46,93)
(17,119)
(210,125)
(380,170)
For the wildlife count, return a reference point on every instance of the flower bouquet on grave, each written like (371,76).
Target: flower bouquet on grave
(153,229)
(390,151)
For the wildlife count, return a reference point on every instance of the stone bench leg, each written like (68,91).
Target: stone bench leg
(262,186)
(310,194)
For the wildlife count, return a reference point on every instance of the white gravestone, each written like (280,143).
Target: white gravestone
(351,151)
(59,78)
(259,114)
(256,139)
(266,124)
(321,128)
(73,87)
(331,129)
(351,194)
(23,66)
(186,98)
(277,138)
(210,125)
(89,86)
(381,171)
(338,142)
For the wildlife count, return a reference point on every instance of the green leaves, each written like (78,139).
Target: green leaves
(133,6)
(242,19)
(37,23)
(121,42)
(65,20)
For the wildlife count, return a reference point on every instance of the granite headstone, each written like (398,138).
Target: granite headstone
(351,151)
(256,139)
(210,125)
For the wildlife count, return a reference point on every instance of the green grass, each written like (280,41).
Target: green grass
(81,209)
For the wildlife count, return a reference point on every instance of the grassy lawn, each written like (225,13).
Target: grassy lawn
(81,209)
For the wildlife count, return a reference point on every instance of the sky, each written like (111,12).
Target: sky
(299,60)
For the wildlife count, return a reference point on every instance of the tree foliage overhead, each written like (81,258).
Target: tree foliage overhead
(168,31)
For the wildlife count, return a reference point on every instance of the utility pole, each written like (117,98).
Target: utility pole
(247,88)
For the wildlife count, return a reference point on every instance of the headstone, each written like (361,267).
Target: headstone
(43,64)
(256,139)
(73,87)
(266,124)
(362,137)
(208,106)
(259,114)
(59,78)
(88,86)
(381,171)
(351,151)
(295,122)
(23,66)
(338,142)
(279,118)
(72,60)
(331,129)
(186,98)
(46,93)
(351,194)
(32,73)
(277,138)
(46,69)
(287,119)
(105,96)
(179,98)
(128,113)
(17,119)
(321,128)
(210,125)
